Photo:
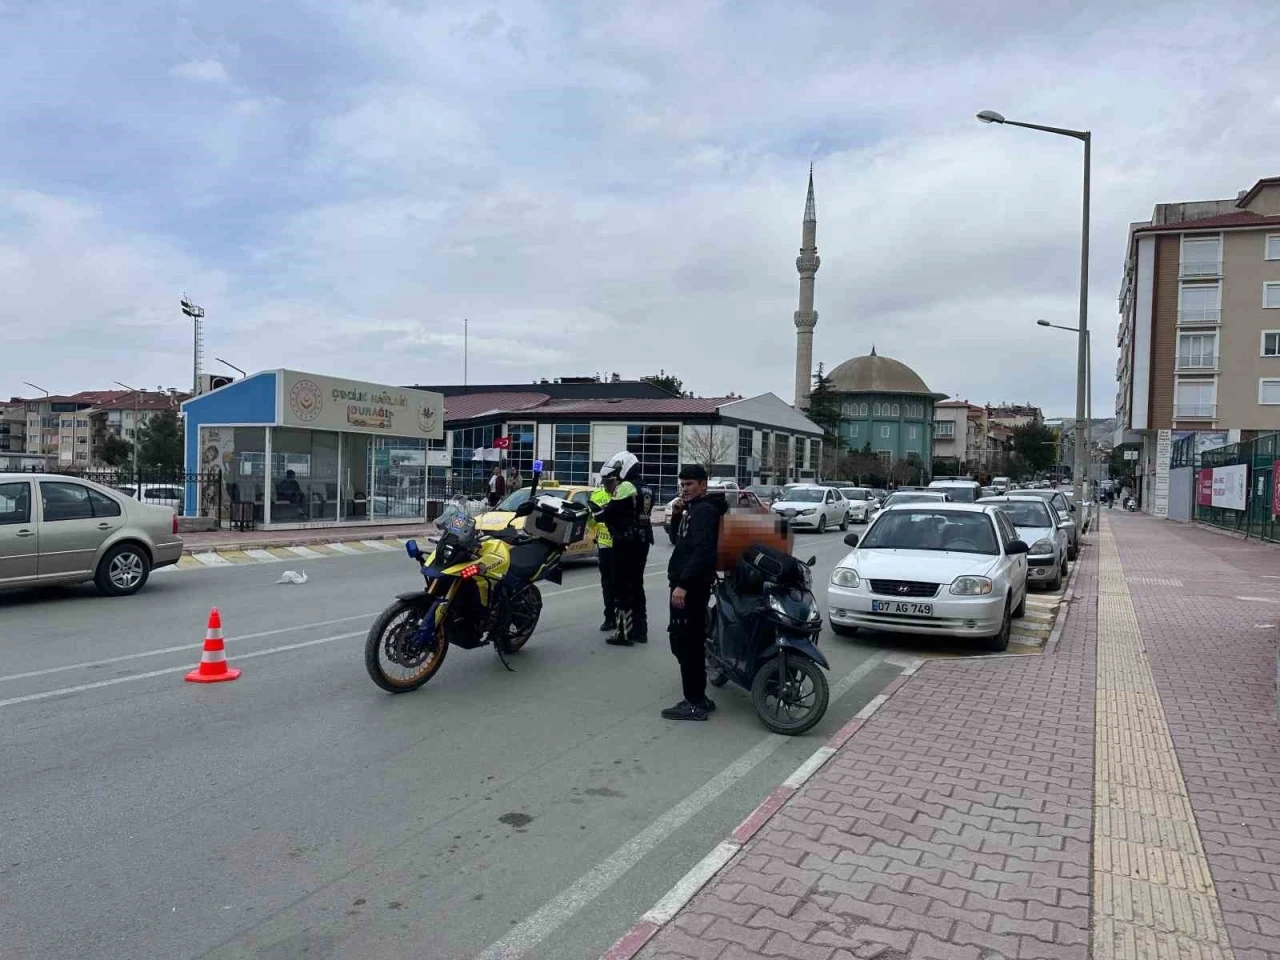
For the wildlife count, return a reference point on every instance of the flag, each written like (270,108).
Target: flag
(501,443)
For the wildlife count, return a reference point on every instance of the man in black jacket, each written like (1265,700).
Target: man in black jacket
(691,571)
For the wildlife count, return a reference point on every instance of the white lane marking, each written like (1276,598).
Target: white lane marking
(65,691)
(196,646)
(306,553)
(212,559)
(345,548)
(377,545)
(806,770)
(235,638)
(263,556)
(552,915)
(691,883)
(1260,599)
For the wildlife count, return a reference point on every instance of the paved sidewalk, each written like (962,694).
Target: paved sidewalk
(236,540)
(1118,796)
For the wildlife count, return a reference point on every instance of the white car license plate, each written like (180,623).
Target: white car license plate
(902,606)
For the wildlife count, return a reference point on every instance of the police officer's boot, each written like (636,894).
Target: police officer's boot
(623,637)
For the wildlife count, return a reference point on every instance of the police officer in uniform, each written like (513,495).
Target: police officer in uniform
(626,515)
(604,553)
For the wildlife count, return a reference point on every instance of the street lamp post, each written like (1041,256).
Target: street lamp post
(1088,393)
(40,434)
(232,366)
(197,345)
(1082,346)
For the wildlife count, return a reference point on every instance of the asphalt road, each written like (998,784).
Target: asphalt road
(302,812)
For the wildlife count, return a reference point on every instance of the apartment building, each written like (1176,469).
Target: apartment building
(58,426)
(1199,332)
(1013,415)
(13,427)
(123,416)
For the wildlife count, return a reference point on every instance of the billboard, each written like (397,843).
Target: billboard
(353,406)
(1231,486)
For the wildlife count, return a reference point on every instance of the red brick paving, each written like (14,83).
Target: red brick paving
(254,539)
(1215,670)
(956,823)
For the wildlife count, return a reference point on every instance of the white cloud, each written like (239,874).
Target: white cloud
(201,71)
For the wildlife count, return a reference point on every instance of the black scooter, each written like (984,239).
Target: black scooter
(762,633)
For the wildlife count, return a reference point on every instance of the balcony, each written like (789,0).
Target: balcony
(1188,269)
(1197,361)
(1195,411)
(1200,316)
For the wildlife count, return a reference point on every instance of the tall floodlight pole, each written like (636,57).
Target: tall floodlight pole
(197,344)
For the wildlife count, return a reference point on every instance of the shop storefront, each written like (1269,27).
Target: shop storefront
(303,450)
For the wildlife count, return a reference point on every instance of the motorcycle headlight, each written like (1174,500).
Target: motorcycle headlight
(846,577)
(971,586)
(1041,547)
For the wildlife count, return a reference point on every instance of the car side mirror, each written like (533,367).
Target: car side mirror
(1015,547)
(851,539)
(1071,507)
(525,509)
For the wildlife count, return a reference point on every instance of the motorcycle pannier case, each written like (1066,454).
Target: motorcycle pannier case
(556,520)
(775,565)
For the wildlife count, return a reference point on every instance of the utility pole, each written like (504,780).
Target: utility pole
(465,342)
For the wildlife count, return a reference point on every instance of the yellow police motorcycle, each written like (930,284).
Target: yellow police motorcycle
(480,589)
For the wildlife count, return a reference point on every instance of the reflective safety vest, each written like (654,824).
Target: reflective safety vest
(604,539)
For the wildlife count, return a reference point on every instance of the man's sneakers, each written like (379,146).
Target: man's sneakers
(684,710)
(610,623)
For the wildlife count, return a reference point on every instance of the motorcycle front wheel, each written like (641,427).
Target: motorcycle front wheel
(526,608)
(791,701)
(392,662)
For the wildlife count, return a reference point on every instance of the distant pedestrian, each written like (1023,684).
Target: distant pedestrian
(497,487)
(517,481)
(691,572)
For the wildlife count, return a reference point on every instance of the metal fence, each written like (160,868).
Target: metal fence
(1262,457)
(167,488)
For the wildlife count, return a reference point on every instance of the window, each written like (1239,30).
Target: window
(875,410)
(896,411)
(15,503)
(884,432)
(1272,248)
(944,428)
(68,423)
(1195,399)
(1197,351)
(862,410)
(853,431)
(1201,257)
(657,447)
(572,452)
(1271,343)
(523,449)
(1200,302)
(1271,294)
(104,506)
(746,438)
(911,432)
(1269,390)
(65,501)
(472,474)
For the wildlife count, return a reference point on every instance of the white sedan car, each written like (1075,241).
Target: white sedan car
(811,507)
(1039,526)
(945,569)
(862,503)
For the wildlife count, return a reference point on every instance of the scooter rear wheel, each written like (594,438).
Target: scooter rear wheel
(794,702)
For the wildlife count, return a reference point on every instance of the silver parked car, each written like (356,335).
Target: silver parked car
(1038,526)
(62,529)
(1066,513)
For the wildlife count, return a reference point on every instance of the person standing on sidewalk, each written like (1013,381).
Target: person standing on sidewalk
(497,487)
(691,571)
(604,553)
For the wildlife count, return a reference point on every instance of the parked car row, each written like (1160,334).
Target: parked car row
(949,562)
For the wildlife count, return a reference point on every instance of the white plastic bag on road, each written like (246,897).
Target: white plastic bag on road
(293,576)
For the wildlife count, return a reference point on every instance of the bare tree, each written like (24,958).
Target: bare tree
(702,445)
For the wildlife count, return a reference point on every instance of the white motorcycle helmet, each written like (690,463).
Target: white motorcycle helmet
(621,466)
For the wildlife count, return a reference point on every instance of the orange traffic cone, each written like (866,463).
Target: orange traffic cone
(213,662)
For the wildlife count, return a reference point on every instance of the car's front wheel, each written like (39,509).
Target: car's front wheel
(822,523)
(1000,642)
(844,523)
(123,571)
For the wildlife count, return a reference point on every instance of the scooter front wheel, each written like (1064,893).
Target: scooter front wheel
(790,700)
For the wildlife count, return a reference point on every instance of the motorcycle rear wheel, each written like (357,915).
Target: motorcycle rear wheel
(792,704)
(390,632)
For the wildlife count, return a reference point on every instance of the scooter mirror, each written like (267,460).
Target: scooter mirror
(811,561)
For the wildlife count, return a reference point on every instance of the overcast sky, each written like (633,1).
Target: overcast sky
(598,186)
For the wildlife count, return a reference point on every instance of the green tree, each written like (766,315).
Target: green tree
(160,443)
(116,451)
(667,381)
(1035,446)
(824,404)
